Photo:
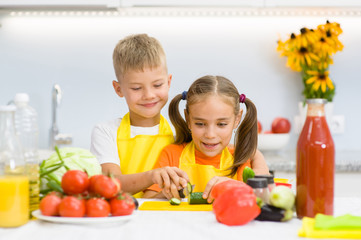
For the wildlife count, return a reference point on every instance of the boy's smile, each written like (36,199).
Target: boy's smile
(146,93)
(149,105)
(211,122)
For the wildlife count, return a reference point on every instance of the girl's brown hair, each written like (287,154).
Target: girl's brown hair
(245,140)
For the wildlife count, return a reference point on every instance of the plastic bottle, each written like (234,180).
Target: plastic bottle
(270,181)
(14,182)
(315,164)
(260,188)
(27,128)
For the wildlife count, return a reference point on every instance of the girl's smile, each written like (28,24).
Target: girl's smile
(210,146)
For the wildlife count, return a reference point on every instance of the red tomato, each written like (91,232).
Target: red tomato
(281,125)
(55,193)
(92,181)
(221,187)
(49,205)
(74,182)
(235,207)
(121,205)
(71,206)
(97,207)
(259,127)
(107,187)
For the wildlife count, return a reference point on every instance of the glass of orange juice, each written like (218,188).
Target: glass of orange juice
(14,200)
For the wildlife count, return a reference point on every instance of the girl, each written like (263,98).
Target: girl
(201,147)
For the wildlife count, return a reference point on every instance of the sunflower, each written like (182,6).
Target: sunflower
(306,37)
(300,58)
(310,52)
(324,47)
(334,28)
(319,79)
(333,41)
(280,46)
(287,47)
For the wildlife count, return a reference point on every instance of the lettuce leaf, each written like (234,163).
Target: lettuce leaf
(72,158)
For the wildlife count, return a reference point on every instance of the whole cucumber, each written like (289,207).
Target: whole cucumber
(196,198)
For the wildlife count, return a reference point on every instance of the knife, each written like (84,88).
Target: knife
(184,192)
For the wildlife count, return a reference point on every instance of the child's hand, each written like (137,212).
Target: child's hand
(170,179)
(173,192)
(214,181)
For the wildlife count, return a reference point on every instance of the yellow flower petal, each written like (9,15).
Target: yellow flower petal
(329,83)
(311,80)
(323,86)
(312,72)
(316,85)
(308,59)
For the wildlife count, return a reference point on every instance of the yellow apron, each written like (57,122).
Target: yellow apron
(139,154)
(198,174)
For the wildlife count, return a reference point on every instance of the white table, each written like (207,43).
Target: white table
(169,225)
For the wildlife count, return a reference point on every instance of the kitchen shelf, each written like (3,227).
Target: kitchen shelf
(99,4)
(241,3)
(185,12)
(16,4)
(181,8)
(312,3)
(192,3)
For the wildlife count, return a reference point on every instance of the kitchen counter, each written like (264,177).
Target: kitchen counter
(345,183)
(285,161)
(170,225)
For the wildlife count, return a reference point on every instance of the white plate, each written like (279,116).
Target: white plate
(272,141)
(82,220)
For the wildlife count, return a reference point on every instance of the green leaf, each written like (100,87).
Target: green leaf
(53,168)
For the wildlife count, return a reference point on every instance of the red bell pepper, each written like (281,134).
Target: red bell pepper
(236,206)
(221,187)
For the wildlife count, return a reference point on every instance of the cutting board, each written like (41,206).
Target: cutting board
(166,206)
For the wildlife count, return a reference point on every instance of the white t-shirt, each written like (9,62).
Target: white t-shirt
(104,139)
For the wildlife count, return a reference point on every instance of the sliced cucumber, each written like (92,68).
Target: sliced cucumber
(189,188)
(174,201)
(186,191)
(196,198)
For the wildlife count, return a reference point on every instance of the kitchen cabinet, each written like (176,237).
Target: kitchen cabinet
(312,3)
(242,3)
(175,3)
(192,3)
(10,4)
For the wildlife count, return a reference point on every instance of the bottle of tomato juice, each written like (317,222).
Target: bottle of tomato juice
(315,167)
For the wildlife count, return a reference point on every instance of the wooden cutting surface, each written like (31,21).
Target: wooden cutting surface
(166,206)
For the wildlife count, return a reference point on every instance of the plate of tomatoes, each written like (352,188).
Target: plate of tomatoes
(82,220)
(84,200)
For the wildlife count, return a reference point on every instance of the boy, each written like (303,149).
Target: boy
(128,148)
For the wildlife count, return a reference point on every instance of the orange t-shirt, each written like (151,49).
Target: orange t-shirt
(170,156)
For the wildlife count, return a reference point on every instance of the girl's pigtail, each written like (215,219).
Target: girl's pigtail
(246,137)
(183,134)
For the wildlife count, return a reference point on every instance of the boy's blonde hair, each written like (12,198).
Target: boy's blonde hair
(137,52)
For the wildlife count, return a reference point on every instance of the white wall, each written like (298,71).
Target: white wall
(76,53)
